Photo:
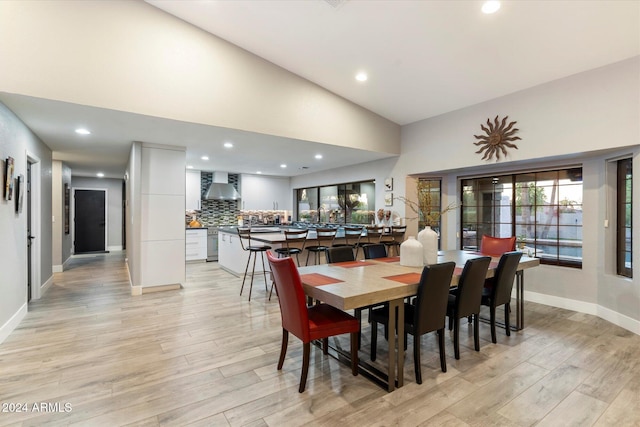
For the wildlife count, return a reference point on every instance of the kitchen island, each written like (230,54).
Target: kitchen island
(233,259)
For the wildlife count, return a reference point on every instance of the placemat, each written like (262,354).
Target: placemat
(317,279)
(351,264)
(406,278)
(389,259)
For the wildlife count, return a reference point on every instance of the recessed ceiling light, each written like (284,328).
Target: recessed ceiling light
(100,175)
(83,131)
(228,145)
(205,157)
(491,6)
(189,166)
(283,165)
(361,77)
(259,173)
(318,156)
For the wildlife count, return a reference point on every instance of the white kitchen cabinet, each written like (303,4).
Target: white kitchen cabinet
(192,195)
(232,258)
(265,193)
(196,244)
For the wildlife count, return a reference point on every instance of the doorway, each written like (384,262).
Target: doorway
(89,220)
(33,220)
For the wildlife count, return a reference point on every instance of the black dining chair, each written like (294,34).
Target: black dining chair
(323,240)
(464,301)
(497,290)
(352,236)
(427,315)
(377,250)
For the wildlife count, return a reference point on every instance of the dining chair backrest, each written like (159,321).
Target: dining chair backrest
(496,246)
(470,286)
(433,293)
(291,297)
(377,250)
(503,279)
(373,233)
(340,254)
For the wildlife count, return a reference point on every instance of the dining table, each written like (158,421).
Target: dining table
(363,283)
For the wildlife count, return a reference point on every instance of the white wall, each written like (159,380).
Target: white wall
(16,140)
(61,242)
(139,59)
(585,119)
(114,206)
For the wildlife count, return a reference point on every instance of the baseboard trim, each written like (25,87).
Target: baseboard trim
(58,268)
(114,248)
(607,314)
(45,287)
(139,290)
(11,324)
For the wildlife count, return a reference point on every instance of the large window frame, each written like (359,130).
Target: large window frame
(624,223)
(542,208)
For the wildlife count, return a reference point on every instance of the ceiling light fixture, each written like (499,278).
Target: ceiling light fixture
(189,166)
(228,145)
(491,6)
(100,175)
(318,156)
(361,77)
(283,166)
(259,172)
(205,157)
(83,131)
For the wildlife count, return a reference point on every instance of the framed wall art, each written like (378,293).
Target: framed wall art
(67,196)
(19,192)
(388,199)
(388,184)
(8,178)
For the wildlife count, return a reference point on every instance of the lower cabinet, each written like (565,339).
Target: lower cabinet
(233,258)
(196,245)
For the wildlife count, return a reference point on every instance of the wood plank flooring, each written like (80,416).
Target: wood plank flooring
(205,356)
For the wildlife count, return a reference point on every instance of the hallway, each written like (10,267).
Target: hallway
(205,356)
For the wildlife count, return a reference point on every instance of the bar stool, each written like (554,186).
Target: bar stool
(291,237)
(352,236)
(324,239)
(396,235)
(253,251)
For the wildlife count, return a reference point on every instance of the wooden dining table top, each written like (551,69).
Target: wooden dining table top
(357,284)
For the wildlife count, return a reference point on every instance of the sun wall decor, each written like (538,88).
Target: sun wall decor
(497,138)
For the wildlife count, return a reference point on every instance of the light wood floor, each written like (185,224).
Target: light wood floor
(205,356)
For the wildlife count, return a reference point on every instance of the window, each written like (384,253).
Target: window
(542,209)
(351,203)
(623,223)
(429,203)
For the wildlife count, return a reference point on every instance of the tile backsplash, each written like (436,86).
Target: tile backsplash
(218,212)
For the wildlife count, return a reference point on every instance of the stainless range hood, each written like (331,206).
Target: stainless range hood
(220,189)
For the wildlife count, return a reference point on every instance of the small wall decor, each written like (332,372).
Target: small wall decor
(8,178)
(388,184)
(498,136)
(388,199)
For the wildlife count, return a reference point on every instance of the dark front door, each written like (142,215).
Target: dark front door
(89,221)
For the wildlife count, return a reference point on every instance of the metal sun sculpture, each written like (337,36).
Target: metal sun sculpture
(497,138)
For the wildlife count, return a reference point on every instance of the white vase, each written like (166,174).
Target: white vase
(429,240)
(411,253)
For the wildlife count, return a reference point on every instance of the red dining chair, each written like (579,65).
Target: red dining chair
(496,246)
(320,321)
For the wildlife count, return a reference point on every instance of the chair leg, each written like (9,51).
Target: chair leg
(253,273)
(246,269)
(507,328)
(492,321)
(308,253)
(264,272)
(306,349)
(450,322)
(456,338)
(283,349)
(443,360)
(325,345)
(374,340)
(476,332)
(416,358)
(354,352)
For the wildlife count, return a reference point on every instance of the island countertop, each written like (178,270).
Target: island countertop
(275,235)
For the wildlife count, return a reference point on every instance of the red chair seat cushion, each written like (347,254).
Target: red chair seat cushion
(327,321)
